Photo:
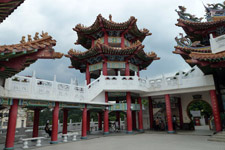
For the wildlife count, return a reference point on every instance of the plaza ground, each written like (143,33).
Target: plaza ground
(145,141)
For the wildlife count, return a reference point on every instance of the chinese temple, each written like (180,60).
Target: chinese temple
(112,49)
(197,49)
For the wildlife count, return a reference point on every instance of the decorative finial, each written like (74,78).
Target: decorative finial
(44,34)
(23,40)
(110,17)
(29,38)
(36,37)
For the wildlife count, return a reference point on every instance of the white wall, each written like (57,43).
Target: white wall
(186,99)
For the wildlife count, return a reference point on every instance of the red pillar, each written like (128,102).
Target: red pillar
(106,116)
(10,137)
(105,38)
(84,123)
(180,113)
(104,69)
(169,114)
(140,116)
(150,107)
(127,69)
(129,115)
(36,122)
(65,118)
(122,41)
(118,115)
(215,109)
(134,118)
(100,121)
(88,121)
(55,117)
(88,76)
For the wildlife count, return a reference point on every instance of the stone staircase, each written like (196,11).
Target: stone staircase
(219,137)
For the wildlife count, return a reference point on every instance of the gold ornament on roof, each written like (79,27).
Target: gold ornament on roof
(36,37)
(23,40)
(29,38)
(44,34)
(110,17)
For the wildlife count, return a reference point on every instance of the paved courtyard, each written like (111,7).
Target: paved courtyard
(144,141)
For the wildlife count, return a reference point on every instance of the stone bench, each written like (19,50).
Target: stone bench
(73,134)
(25,141)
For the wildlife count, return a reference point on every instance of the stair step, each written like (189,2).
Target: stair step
(219,136)
(216,140)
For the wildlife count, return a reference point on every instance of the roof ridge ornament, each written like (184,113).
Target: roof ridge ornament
(187,16)
(110,17)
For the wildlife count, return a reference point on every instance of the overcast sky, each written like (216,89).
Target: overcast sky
(58,17)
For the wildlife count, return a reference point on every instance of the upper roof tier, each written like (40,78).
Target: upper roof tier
(102,26)
(134,53)
(7,7)
(26,53)
(197,29)
(197,54)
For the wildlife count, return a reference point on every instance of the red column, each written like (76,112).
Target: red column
(138,73)
(106,116)
(105,38)
(84,123)
(215,109)
(122,41)
(127,69)
(140,116)
(100,121)
(150,107)
(65,117)
(10,136)
(36,122)
(88,76)
(104,69)
(129,115)
(180,113)
(92,43)
(118,115)
(134,118)
(169,114)
(55,117)
(88,121)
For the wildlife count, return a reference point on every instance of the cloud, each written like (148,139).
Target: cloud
(58,17)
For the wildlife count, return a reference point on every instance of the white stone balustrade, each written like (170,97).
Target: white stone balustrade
(37,89)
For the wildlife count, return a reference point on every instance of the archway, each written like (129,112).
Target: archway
(199,112)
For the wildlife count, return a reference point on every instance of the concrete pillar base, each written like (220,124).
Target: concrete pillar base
(171,132)
(9,148)
(106,133)
(142,131)
(130,132)
(83,137)
(54,142)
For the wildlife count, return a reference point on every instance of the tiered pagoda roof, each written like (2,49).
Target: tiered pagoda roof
(15,58)
(7,7)
(95,31)
(136,51)
(91,38)
(195,47)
